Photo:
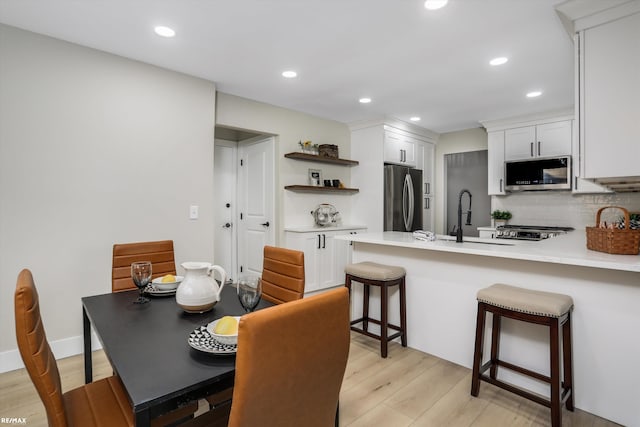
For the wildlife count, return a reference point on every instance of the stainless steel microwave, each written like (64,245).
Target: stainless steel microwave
(538,174)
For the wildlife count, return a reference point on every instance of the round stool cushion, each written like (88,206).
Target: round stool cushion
(374,271)
(526,300)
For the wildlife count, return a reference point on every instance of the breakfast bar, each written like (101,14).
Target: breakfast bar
(443,277)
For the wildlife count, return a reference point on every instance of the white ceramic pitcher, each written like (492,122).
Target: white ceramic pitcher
(198,292)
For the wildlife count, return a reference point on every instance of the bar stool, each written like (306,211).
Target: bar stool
(383,276)
(543,308)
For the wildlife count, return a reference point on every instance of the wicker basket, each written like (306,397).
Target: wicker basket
(328,150)
(613,241)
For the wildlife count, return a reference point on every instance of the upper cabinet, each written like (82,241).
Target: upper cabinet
(543,140)
(609,77)
(607,58)
(398,148)
(495,162)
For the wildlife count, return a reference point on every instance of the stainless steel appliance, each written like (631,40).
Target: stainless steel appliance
(529,232)
(402,198)
(538,174)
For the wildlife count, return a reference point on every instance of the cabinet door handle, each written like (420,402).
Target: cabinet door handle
(324,241)
(426,203)
(538,148)
(532,149)
(501,185)
(318,241)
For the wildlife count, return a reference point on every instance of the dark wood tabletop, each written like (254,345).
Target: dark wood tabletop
(148,349)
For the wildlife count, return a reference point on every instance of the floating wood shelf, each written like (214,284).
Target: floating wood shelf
(314,189)
(321,159)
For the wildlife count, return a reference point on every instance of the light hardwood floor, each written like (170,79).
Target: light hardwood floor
(409,388)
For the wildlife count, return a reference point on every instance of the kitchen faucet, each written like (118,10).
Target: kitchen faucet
(459,230)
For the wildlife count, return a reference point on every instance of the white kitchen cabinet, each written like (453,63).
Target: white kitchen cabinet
(399,149)
(495,162)
(609,87)
(324,256)
(543,140)
(425,161)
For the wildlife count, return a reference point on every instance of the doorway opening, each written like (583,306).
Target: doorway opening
(244,199)
(467,170)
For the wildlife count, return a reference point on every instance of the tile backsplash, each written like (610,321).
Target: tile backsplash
(562,208)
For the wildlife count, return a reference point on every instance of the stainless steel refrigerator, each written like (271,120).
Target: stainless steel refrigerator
(402,198)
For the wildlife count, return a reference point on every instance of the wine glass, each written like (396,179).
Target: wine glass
(141,275)
(249,292)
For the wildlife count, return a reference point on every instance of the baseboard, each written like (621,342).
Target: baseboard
(10,360)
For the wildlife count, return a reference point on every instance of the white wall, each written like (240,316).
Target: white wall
(94,149)
(453,142)
(289,127)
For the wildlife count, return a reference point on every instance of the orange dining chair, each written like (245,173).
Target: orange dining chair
(162,258)
(282,281)
(282,275)
(160,253)
(290,364)
(100,403)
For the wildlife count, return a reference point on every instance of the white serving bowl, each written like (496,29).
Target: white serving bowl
(223,339)
(166,286)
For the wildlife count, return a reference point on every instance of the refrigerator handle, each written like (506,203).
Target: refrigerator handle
(408,202)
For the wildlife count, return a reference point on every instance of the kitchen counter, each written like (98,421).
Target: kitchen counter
(312,229)
(568,249)
(443,278)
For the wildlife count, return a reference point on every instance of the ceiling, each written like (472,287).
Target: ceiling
(410,61)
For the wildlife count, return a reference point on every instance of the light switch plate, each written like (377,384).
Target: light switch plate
(193,212)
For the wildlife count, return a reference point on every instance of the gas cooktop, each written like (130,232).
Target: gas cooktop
(529,232)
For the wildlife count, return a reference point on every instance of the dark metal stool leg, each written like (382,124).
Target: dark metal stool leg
(403,312)
(495,345)
(477,353)
(556,396)
(567,359)
(365,307)
(384,341)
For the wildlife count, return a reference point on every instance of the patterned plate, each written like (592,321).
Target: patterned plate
(153,291)
(201,340)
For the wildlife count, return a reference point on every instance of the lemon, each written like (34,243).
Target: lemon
(169,278)
(227,325)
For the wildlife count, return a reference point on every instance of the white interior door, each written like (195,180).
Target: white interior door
(256,202)
(225,209)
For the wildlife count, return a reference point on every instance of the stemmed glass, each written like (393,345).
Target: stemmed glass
(249,292)
(141,275)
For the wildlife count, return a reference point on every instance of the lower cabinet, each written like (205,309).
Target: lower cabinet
(324,256)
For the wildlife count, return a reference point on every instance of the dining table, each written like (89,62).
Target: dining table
(149,350)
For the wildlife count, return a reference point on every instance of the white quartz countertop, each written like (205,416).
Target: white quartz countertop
(569,249)
(315,229)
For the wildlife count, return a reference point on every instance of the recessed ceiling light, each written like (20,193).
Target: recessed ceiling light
(415,119)
(164,31)
(499,61)
(365,100)
(534,93)
(435,4)
(289,74)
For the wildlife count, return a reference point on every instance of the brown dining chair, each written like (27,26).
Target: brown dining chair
(282,281)
(282,275)
(303,348)
(160,253)
(100,403)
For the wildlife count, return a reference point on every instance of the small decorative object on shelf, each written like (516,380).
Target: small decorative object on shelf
(328,150)
(315,177)
(308,147)
(500,217)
